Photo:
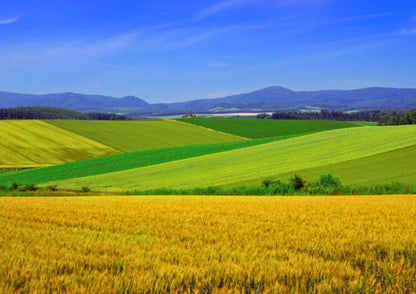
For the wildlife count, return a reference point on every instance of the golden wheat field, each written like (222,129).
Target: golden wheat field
(240,244)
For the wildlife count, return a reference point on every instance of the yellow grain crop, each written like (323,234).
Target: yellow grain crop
(203,244)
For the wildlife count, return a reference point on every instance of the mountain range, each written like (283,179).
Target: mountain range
(268,99)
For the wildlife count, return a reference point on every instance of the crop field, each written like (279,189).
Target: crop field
(33,143)
(363,244)
(125,161)
(261,128)
(128,136)
(393,166)
(249,163)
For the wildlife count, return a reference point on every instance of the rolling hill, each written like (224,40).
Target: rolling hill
(125,161)
(33,143)
(268,99)
(128,136)
(236,166)
(263,128)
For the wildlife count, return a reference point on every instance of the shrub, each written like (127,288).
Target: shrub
(30,187)
(297,182)
(328,180)
(53,188)
(85,189)
(14,187)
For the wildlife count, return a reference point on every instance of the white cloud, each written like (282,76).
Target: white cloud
(408,32)
(158,38)
(220,7)
(9,20)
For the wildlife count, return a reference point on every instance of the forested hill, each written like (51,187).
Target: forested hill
(267,99)
(44,112)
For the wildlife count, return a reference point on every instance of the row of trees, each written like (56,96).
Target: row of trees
(44,112)
(383,117)
(400,118)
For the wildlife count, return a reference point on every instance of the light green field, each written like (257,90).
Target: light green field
(254,162)
(120,162)
(262,128)
(393,166)
(34,143)
(128,136)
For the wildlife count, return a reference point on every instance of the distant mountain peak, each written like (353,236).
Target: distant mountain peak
(264,100)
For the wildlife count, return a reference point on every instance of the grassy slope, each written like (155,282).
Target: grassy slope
(261,128)
(130,136)
(259,161)
(122,162)
(32,143)
(393,166)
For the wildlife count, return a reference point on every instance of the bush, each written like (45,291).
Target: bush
(14,187)
(297,182)
(85,189)
(30,187)
(328,180)
(53,188)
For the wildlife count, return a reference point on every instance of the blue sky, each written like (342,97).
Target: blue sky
(186,49)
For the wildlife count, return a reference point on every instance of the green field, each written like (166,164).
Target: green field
(128,136)
(249,163)
(33,143)
(393,166)
(124,161)
(261,128)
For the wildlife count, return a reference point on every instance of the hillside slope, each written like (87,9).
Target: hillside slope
(393,166)
(262,128)
(125,161)
(128,136)
(259,161)
(34,143)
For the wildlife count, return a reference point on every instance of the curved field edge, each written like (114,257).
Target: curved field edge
(126,161)
(130,136)
(258,161)
(261,128)
(33,143)
(397,166)
(212,244)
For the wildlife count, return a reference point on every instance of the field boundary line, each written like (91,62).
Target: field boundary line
(113,148)
(205,128)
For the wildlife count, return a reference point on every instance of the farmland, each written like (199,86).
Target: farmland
(393,166)
(161,244)
(253,128)
(249,163)
(126,161)
(36,143)
(128,136)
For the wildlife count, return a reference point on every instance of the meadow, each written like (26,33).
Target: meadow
(34,143)
(262,128)
(125,161)
(362,244)
(237,166)
(128,136)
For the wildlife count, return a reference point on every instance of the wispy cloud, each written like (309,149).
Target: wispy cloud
(220,7)
(154,39)
(9,20)
(407,32)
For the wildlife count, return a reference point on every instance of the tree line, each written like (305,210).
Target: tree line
(45,112)
(382,117)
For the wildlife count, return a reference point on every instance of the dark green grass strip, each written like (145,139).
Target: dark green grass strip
(263,128)
(120,162)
